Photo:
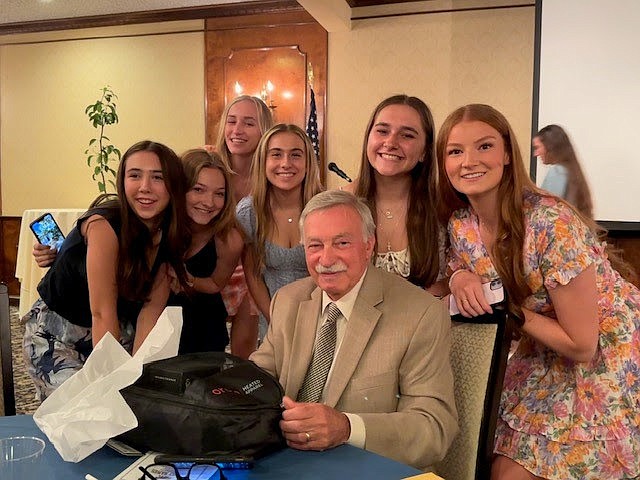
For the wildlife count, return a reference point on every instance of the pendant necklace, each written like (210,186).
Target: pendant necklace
(388,214)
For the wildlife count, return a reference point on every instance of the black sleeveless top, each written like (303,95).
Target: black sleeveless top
(204,315)
(65,289)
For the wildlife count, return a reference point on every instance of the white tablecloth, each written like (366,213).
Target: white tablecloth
(27,270)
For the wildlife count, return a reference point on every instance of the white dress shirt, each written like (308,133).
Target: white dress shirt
(357,437)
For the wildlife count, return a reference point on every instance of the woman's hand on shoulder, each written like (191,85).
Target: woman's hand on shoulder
(466,287)
(232,244)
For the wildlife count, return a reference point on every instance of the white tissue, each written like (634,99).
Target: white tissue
(87,410)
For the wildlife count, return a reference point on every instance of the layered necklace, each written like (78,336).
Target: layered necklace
(390,227)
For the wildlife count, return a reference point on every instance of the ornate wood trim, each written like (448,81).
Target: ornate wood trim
(130,18)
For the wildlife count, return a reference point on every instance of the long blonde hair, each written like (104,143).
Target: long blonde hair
(194,161)
(265,122)
(261,188)
(507,251)
(422,220)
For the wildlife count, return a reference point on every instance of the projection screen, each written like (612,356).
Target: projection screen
(588,77)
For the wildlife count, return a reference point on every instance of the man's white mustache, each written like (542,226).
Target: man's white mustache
(335,268)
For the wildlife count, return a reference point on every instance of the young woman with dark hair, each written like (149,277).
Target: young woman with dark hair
(565,177)
(110,274)
(398,180)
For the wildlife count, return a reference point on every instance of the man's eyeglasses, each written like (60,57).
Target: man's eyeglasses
(181,471)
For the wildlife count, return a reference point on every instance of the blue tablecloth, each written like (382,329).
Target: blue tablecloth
(345,462)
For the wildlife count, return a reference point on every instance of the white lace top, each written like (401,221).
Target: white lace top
(395,262)
(400,262)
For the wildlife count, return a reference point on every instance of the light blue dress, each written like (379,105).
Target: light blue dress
(556,180)
(281,265)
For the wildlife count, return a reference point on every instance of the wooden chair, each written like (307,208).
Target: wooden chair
(8,394)
(479,352)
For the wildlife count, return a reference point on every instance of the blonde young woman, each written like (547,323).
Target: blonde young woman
(284,177)
(571,395)
(244,121)
(398,180)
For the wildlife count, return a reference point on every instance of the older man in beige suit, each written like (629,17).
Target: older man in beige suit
(373,372)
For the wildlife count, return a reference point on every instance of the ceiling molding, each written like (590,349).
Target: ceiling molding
(167,15)
(371,3)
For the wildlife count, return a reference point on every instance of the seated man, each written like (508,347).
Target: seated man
(381,357)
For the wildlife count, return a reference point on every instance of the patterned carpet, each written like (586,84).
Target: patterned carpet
(24,389)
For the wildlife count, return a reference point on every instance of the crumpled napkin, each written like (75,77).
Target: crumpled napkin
(81,415)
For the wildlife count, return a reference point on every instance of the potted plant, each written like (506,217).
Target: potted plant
(101,152)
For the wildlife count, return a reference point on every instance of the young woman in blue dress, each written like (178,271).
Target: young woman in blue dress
(284,176)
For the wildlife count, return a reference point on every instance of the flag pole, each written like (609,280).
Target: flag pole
(312,122)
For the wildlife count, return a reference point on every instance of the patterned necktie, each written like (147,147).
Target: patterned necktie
(316,377)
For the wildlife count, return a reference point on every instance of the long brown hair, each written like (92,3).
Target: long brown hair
(560,150)
(194,161)
(422,220)
(261,188)
(135,276)
(507,253)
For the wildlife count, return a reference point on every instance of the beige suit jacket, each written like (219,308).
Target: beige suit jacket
(392,368)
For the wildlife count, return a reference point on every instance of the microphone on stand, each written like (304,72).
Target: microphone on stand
(338,171)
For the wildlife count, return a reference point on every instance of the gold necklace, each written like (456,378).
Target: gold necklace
(388,214)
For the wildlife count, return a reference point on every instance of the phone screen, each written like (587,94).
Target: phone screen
(47,231)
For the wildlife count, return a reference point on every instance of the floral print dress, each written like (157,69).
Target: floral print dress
(562,419)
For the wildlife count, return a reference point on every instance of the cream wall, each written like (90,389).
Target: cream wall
(157,70)
(447,59)
(46,81)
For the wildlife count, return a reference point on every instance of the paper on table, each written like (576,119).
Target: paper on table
(87,410)
(424,476)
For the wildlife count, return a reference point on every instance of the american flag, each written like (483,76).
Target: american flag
(312,125)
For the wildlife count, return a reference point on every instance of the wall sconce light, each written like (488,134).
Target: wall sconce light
(266,95)
(238,88)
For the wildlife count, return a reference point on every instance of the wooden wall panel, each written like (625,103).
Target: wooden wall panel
(296,32)
(9,234)
(629,245)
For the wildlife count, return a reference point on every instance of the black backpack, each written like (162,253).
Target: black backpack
(204,404)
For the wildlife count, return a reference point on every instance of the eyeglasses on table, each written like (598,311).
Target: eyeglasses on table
(181,471)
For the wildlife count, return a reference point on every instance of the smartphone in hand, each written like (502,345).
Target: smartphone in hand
(47,231)
(493,293)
